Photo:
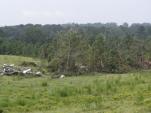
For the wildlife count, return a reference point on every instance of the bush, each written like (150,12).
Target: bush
(25,63)
(44,84)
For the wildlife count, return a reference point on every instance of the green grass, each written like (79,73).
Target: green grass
(110,93)
(127,93)
(10,59)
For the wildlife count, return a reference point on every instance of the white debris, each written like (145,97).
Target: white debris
(4,65)
(12,65)
(62,76)
(11,69)
(26,71)
(38,73)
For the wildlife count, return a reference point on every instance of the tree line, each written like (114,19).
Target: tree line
(77,48)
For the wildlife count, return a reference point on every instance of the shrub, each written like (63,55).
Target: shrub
(44,84)
(25,63)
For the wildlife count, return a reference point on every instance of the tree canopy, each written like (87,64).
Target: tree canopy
(91,47)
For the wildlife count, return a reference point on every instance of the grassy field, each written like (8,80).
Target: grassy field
(17,60)
(127,93)
(100,93)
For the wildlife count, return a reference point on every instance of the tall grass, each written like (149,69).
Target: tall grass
(108,93)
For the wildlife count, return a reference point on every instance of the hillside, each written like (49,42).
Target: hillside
(127,93)
(17,60)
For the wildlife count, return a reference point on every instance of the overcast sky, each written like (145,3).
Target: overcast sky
(14,12)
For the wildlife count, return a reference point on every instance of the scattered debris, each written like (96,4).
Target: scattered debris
(14,70)
(62,76)
(58,76)
(26,71)
(8,69)
(38,73)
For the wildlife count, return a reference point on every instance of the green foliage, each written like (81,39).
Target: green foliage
(97,47)
(54,64)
